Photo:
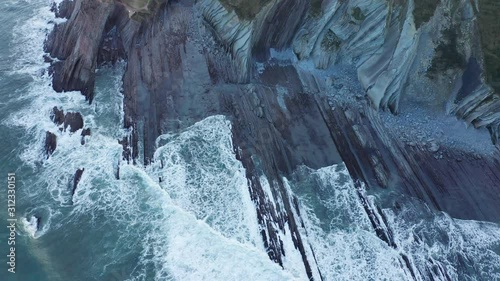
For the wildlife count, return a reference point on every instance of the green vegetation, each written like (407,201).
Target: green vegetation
(489,28)
(357,14)
(424,10)
(447,55)
(315,8)
(331,42)
(245,9)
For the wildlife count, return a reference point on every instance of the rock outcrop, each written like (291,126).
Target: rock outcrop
(75,44)
(73,120)
(76,180)
(50,143)
(272,67)
(408,52)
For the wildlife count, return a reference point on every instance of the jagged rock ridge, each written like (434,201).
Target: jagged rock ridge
(188,61)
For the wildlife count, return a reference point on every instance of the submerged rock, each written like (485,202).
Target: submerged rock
(111,49)
(64,9)
(38,222)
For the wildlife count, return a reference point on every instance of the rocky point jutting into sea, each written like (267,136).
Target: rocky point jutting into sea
(387,87)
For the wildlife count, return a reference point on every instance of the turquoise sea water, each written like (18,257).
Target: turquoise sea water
(12,87)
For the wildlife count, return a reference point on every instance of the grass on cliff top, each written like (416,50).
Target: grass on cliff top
(315,8)
(424,10)
(489,27)
(357,14)
(245,9)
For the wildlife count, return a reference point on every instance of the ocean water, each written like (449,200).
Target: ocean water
(188,215)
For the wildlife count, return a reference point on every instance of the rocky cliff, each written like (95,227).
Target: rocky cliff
(304,83)
(439,54)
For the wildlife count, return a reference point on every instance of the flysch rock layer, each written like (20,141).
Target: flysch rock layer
(439,63)
(187,61)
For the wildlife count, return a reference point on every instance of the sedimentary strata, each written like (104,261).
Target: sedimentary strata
(271,70)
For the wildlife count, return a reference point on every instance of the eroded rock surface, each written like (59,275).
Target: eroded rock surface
(411,52)
(75,43)
(272,69)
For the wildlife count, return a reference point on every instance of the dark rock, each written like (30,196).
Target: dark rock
(57,116)
(74,121)
(280,26)
(38,222)
(55,69)
(117,174)
(76,180)
(50,143)
(111,49)
(64,9)
(76,42)
(471,79)
(85,132)
(47,58)
(127,150)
